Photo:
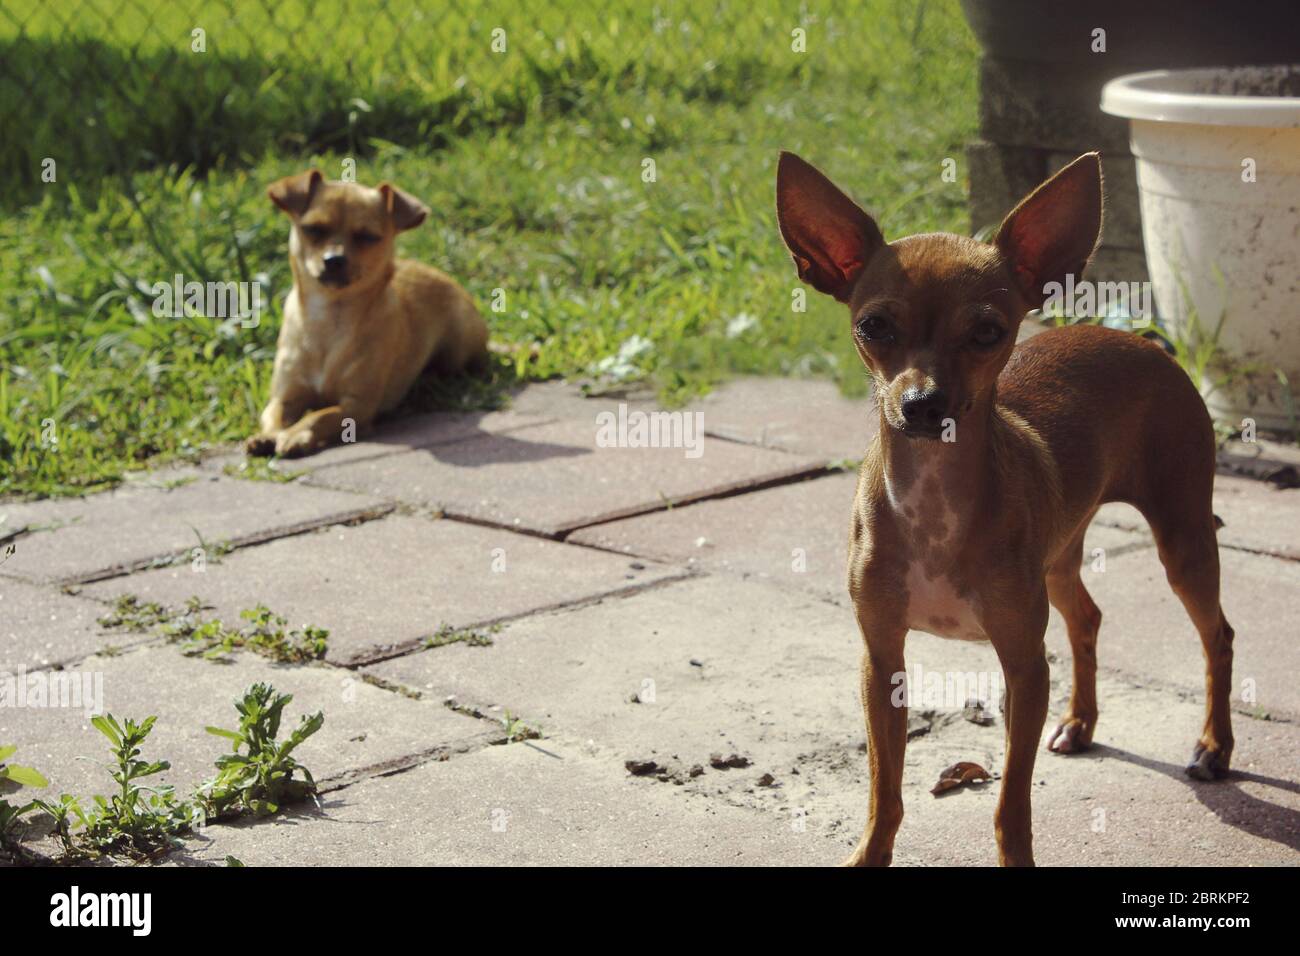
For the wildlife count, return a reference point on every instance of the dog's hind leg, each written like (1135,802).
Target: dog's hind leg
(1185,536)
(1082,620)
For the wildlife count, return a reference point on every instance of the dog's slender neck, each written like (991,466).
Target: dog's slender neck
(925,477)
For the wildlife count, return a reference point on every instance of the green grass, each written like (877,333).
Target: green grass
(531,161)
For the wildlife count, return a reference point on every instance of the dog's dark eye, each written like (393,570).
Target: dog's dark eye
(365,238)
(874,328)
(987,335)
(314,232)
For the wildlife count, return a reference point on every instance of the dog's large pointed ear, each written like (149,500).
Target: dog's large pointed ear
(1054,230)
(829,237)
(293,193)
(407,211)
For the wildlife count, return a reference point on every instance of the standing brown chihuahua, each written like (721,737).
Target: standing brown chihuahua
(991,460)
(360,324)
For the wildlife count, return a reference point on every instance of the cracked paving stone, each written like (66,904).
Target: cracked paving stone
(41,626)
(82,539)
(515,806)
(382,587)
(364,725)
(551,479)
(778,685)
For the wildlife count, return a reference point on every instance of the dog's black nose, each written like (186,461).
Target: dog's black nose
(924,409)
(335,263)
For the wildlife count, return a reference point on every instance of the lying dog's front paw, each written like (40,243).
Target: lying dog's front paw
(297,444)
(260,446)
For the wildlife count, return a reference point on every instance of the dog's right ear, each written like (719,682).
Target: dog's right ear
(293,193)
(1054,230)
(828,235)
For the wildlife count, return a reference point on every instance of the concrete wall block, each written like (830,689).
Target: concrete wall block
(1039,106)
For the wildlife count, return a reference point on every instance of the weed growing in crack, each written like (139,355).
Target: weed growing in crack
(132,614)
(142,822)
(264,634)
(450,635)
(261,779)
(9,813)
(138,821)
(261,469)
(517,729)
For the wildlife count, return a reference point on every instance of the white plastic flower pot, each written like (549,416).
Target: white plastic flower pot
(1218,169)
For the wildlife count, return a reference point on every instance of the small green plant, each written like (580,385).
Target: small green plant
(132,614)
(450,635)
(265,634)
(138,820)
(9,813)
(259,780)
(517,729)
(1197,348)
(61,814)
(261,469)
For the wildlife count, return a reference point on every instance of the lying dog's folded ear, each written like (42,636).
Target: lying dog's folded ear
(1053,232)
(407,211)
(293,193)
(829,237)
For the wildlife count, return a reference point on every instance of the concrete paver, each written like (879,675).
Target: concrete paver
(553,804)
(1258,517)
(693,668)
(802,416)
(41,626)
(364,725)
(1147,635)
(674,673)
(84,539)
(795,535)
(777,687)
(395,436)
(551,479)
(385,585)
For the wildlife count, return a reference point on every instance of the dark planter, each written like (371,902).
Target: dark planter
(1140,34)
(1040,86)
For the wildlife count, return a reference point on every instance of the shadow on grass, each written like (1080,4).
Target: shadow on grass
(100,110)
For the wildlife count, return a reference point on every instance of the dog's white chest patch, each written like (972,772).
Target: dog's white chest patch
(931,526)
(318,314)
(935,606)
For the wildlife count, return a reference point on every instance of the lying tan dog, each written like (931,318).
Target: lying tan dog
(360,324)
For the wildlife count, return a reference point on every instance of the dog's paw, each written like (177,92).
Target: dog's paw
(1070,736)
(260,446)
(293,444)
(1208,762)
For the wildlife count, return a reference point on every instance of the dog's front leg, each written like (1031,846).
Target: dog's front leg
(884,703)
(316,430)
(1018,641)
(278,415)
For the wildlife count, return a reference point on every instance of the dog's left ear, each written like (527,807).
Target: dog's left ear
(293,193)
(407,211)
(1054,230)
